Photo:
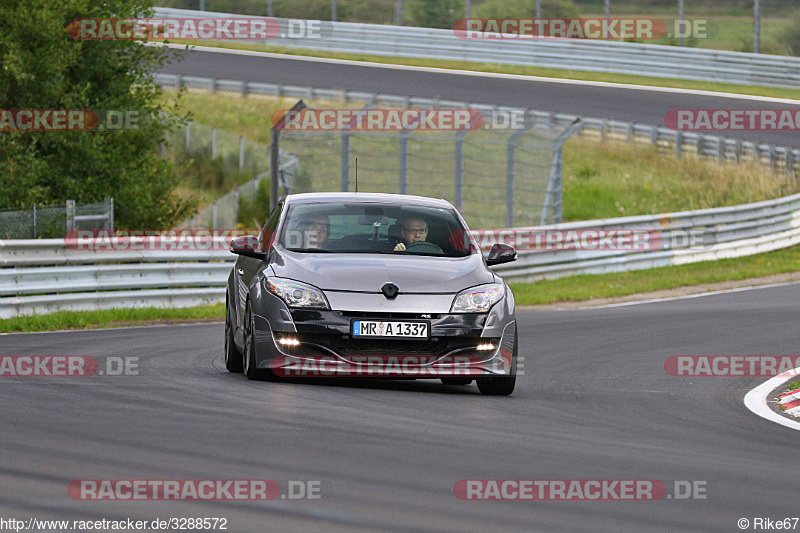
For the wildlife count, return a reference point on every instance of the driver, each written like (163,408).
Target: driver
(315,231)
(414,230)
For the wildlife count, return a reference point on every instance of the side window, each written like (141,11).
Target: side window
(267,237)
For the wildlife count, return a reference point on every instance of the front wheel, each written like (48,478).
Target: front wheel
(249,352)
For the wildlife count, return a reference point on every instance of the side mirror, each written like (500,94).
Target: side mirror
(247,246)
(501,253)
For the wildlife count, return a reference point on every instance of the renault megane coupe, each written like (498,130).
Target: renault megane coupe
(370,285)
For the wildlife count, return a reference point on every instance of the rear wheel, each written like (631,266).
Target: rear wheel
(233,359)
(501,385)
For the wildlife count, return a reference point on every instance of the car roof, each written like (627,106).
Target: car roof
(399,199)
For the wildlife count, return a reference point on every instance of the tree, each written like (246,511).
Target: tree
(43,67)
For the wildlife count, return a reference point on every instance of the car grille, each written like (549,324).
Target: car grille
(389,347)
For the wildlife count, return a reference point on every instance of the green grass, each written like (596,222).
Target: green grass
(794,385)
(515,70)
(586,286)
(110,318)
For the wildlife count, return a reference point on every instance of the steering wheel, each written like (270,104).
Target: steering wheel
(424,247)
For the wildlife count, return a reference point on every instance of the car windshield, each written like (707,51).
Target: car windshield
(371,227)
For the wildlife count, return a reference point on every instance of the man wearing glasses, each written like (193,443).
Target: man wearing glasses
(414,230)
(315,231)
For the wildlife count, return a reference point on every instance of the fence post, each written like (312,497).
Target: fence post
(214,215)
(34,221)
(188,135)
(244,89)
(511,145)
(213,143)
(344,161)
(274,155)
(678,144)
(241,153)
(459,165)
(70,215)
(403,177)
(789,162)
(554,197)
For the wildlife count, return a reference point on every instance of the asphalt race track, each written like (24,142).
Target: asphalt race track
(594,403)
(644,106)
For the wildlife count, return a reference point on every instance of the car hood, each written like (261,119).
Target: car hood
(369,272)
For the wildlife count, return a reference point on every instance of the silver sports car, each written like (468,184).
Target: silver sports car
(370,285)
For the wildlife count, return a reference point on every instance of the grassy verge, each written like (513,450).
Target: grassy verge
(110,318)
(515,70)
(585,286)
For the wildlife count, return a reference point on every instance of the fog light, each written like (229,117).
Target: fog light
(286,341)
(485,347)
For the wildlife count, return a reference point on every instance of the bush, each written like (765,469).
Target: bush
(436,13)
(525,9)
(253,212)
(790,38)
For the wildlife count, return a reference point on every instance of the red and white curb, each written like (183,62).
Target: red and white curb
(757,400)
(790,402)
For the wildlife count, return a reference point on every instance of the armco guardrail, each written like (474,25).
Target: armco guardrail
(41,276)
(599,56)
(779,158)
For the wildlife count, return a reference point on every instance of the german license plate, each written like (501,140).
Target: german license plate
(390,329)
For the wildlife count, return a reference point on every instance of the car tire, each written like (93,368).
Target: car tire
(501,385)
(456,381)
(233,359)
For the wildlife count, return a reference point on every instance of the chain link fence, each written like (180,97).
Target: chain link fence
(496,178)
(55,221)
(246,205)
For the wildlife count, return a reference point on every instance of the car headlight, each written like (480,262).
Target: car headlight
(297,294)
(478,299)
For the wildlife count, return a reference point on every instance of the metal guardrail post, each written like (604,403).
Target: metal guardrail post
(241,153)
(403,163)
(344,161)
(458,186)
(70,215)
(213,143)
(111,214)
(188,135)
(678,144)
(34,221)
